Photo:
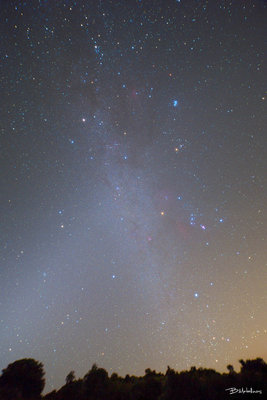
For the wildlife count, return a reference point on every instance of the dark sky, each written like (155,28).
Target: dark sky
(133,184)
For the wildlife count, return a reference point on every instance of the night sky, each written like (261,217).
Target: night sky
(133,184)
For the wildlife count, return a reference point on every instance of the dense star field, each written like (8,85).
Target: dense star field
(133,177)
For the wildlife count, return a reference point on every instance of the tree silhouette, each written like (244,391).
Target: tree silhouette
(96,383)
(24,380)
(25,377)
(70,377)
(230,369)
(254,373)
(253,366)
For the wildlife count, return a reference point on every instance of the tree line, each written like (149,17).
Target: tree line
(24,380)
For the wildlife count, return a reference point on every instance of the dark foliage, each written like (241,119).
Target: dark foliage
(70,377)
(23,380)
